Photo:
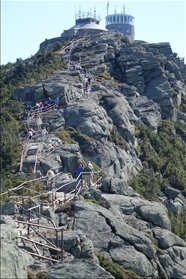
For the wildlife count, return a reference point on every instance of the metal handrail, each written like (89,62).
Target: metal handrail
(39,214)
(35,165)
(53,247)
(77,179)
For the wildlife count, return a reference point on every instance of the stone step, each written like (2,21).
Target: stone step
(32,151)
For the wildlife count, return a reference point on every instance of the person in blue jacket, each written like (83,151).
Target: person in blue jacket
(79,171)
(56,101)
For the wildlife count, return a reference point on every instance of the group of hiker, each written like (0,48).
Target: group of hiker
(40,107)
(84,174)
(77,66)
(29,134)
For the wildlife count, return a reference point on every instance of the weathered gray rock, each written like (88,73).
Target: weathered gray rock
(5,219)
(9,208)
(132,82)
(171,193)
(167,263)
(78,269)
(176,206)
(167,239)
(51,215)
(9,234)
(116,186)
(56,85)
(155,213)
(90,119)
(20,259)
(129,258)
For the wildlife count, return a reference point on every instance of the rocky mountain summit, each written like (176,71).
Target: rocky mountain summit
(132,83)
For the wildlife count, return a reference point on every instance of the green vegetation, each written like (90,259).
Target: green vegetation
(163,154)
(38,275)
(115,269)
(164,159)
(13,75)
(64,136)
(102,203)
(117,138)
(178,222)
(182,107)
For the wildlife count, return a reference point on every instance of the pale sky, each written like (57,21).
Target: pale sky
(25,24)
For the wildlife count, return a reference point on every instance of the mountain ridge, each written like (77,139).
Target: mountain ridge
(131,126)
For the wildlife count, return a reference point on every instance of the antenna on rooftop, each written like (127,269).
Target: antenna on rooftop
(79,11)
(94,12)
(107,7)
(115,9)
(124,8)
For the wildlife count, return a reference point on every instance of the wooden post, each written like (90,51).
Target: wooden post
(57,244)
(29,217)
(62,245)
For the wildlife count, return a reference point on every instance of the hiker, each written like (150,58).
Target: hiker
(79,171)
(49,101)
(88,89)
(28,110)
(79,161)
(56,101)
(41,106)
(44,134)
(87,176)
(50,179)
(50,174)
(89,80)
(30,134)
(85,72)
(37,107)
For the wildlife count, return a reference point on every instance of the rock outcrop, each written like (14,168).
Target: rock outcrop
(132,82)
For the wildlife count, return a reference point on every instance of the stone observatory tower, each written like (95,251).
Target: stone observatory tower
(122,22)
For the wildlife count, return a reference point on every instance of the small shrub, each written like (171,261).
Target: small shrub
(42,274)
(64,136)
(115,269)
(31,274)
(117,138)
(67,208)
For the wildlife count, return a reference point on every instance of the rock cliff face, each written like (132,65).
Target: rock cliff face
(132,83)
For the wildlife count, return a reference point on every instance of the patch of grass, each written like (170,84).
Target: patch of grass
(105,75)
(117,138)
(42,274)
(31,274)
(39,275)
(115,269)
(64,136)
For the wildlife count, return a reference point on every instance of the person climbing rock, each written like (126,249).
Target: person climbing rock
(56,101)
(79,161)
(89,80)
(44,134)
(41,106)
(28,110)
(85,72)
(30,134)
(50,179)
(87,174)
(49,101)
(79,171)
